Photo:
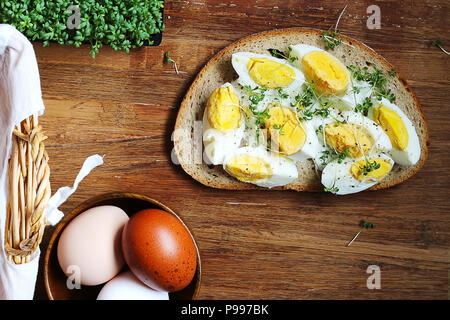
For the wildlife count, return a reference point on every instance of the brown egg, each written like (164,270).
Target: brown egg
(159,250)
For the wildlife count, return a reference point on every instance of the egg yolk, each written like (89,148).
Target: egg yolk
(222,109)
(329,75)
(285,130)
(270,74)
(393,125)
(360,171)
(249,168)
(342,136)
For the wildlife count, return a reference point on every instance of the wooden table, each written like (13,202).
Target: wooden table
(271,245)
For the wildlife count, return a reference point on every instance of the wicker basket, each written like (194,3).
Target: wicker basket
(29,191)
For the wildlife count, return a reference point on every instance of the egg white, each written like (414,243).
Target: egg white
(269,96)
(352,97)
(411,154)
(284,169)
(338,175)
(217,143)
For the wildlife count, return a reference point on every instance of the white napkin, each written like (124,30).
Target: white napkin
(20,97)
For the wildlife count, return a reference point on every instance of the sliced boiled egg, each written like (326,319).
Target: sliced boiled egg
(289,136)
(355,175)
(223,109)
(328,74)
(399,129)
(284,129)
(223,124)
(350,133)
(344,137)
(258,70)
(257,166)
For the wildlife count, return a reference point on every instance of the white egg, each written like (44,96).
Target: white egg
(217,143)
(411,154)
(338,179)
(283,169)
(126,286)
(90,245)
(240,61)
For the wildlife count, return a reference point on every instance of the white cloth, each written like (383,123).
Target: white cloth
(20,97)
(60,196)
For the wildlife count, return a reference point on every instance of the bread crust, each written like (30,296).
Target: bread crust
(218,70)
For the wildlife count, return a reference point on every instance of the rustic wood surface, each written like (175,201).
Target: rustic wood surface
(259,245)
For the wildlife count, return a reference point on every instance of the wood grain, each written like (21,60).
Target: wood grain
(259,245)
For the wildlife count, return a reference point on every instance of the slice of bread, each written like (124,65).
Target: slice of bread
(219,70)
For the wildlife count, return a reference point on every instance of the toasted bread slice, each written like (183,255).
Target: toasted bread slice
(219,70)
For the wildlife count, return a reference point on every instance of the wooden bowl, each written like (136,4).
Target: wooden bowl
(54,277)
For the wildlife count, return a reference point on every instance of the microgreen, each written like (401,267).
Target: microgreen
(282,94)
(331,37)
(256,95)
(291,58)
(305,100)
(339,122)
(122,25)
(347,153)
(258,133)
(282,55)
(319,129)
(279,128)
(378,83)
(278,54)
(168,59)
(305,103)
(333,189)
(364,107)
(363,224)
(331,154)
(260,117)
(438,44)
(369,167)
